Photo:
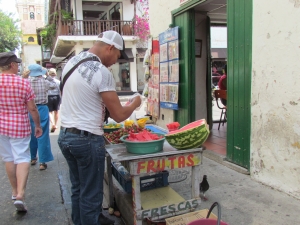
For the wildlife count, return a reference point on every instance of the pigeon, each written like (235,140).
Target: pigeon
(204,186)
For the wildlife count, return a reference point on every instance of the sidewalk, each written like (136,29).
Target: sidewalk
(243,201)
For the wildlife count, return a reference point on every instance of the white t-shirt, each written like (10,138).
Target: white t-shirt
(82,106)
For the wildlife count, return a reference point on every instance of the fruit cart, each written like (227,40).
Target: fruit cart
(143,165)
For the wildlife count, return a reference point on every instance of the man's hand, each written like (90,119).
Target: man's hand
(137,101)
(26,74)
(38,132)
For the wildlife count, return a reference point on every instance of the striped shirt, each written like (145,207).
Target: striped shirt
(15,92)
(40,86)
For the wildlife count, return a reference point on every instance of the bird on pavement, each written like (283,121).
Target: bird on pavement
(204,186)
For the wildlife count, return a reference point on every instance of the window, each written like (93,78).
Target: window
(31,15)
(25,10)
(121,75)
(114,12)
(30,39)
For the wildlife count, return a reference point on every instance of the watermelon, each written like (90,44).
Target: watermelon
(190,136)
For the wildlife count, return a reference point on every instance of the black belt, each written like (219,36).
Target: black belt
(74,130)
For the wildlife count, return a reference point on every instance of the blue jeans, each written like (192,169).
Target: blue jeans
(85,155)
(42,144)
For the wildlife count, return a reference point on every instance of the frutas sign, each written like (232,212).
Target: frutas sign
(165,163)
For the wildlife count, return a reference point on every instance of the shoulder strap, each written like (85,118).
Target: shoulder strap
(68,74)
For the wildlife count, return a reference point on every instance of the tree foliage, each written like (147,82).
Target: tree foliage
(10,34)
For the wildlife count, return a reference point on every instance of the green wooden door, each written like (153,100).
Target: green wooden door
(186,23)
(239,35)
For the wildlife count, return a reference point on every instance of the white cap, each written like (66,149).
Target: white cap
(112,38)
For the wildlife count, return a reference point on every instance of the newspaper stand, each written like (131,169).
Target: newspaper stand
(149,164)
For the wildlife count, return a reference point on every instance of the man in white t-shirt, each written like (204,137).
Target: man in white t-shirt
(86,93)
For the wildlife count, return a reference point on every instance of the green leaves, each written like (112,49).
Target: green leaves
(48,34)
(10,34)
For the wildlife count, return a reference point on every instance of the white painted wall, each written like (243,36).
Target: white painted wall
(159,19)
(32,54)
(128,10)
(275,111)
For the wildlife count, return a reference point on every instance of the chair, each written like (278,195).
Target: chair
(221,94)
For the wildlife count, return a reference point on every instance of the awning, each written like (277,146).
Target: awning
(129,54)
(141,52)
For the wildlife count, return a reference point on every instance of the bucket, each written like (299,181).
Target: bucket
(208,221)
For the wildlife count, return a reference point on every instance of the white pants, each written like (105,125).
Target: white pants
(15,149)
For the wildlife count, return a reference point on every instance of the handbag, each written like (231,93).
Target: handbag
(68,74)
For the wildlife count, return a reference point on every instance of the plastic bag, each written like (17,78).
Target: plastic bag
(132,97)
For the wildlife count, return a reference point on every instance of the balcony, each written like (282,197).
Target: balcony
(94,27)
(71,32)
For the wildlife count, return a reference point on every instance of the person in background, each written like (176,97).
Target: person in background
(40,86)
(54,100)
(125,79)
(16,100)
(223,84)
(87,93)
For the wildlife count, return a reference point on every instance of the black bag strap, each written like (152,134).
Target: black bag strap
(68,74)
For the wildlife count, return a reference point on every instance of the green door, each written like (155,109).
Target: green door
(186,23)
(239,36)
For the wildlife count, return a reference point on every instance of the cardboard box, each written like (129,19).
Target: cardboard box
(184,219)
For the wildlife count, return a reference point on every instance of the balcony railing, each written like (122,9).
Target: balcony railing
(94,27)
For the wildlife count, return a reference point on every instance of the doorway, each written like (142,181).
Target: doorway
(198,16)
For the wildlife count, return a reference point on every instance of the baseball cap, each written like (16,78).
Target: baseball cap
(36,70)
(8,57)
(112,37)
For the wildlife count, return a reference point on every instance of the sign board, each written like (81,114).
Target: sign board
(169,68)
(155,165)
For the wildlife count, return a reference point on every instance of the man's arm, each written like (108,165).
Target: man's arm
(118,112)
(36,117)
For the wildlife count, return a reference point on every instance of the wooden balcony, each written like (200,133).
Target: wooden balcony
(94,27)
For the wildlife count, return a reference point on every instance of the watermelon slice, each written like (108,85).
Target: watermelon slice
(143,136)
(192,135)
(173,126)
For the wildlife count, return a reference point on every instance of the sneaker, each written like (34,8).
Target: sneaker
(105,221)
(20,206)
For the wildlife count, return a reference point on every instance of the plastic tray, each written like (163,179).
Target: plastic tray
(146,183)
(156,129)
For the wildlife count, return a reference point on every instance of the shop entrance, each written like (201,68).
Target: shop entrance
(194,20)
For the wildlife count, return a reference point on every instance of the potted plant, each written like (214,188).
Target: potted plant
(66,18)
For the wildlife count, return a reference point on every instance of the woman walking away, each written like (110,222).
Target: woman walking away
(40,86)
(54,100)
(16,100)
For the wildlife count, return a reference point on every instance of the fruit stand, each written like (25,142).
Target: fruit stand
(142,165)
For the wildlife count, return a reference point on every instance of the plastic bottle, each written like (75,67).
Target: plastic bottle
(124,172)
